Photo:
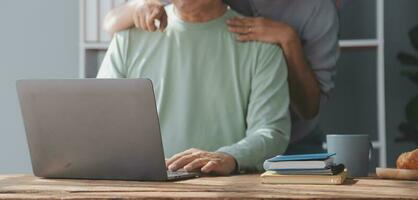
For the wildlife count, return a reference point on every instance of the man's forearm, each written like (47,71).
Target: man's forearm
(250,152)
(304,87)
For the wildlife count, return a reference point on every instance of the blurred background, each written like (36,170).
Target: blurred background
(62,39)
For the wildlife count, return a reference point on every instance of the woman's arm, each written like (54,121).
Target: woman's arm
(139,13)
(304,88)
(312,65)
(305,93)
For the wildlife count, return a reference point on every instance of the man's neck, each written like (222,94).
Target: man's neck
(201,14)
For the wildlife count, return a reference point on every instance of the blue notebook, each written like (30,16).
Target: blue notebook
(301,157)
(332,170)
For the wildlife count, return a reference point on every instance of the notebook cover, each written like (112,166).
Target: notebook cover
(299,164)
(333,170)
(271,177)
(301,157)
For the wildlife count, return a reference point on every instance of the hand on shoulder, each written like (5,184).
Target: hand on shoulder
(146,12)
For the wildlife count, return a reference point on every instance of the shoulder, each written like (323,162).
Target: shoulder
(320,10)
(327,9)
(122,34)
(273,52)
(268,56)
(302,14)
(315,6)
(320,23)
(135,35)
(267,49)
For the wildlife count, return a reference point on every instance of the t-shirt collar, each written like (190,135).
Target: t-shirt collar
(178,22)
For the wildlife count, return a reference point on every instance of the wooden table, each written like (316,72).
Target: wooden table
(234,187)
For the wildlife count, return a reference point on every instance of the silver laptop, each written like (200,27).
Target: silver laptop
(94,129)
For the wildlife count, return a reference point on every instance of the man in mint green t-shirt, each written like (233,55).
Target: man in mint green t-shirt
(223,105)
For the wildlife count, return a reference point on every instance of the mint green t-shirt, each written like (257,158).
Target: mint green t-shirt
(212,92)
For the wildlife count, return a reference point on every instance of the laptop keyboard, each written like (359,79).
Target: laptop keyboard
(177,173)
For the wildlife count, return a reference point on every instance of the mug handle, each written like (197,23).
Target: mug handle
(370,150)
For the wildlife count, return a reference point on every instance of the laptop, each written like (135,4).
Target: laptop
(94,129)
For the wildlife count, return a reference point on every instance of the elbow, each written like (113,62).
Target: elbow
(308,112)
(307,106)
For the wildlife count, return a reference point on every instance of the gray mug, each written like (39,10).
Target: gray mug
(354,151)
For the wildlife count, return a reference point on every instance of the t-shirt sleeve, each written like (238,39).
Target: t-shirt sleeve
(114,62)
(268,118)
(320,38)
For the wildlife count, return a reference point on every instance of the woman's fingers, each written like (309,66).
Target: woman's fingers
(136,21)
(246,28)
(151,20)
(161,16)
(240,29)
(246,37)
(241,21)
(163,21)
(235,22)
(143,23)
(157,14)
(247,34)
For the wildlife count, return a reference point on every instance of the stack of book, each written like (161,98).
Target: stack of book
(303,169)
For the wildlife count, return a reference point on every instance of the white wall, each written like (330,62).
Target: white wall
(38,39)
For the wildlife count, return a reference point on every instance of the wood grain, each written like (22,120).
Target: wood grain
(234,187)
(391,173)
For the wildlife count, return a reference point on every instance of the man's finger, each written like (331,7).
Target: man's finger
(181,162)
(210,167)
(179,155)
(176,157)
(196,164)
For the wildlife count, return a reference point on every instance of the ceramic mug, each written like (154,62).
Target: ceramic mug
(354,151)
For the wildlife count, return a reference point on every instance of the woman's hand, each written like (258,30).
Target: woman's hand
(139,13)
(207,162)
(304,87)
(261,29)
(145,12)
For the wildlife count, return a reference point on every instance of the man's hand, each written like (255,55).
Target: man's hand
(207,162)
(145,12)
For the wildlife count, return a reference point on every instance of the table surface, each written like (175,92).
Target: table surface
(233,187)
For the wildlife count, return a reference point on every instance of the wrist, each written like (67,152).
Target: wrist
(290,40)
(231,162)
